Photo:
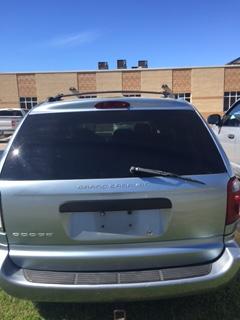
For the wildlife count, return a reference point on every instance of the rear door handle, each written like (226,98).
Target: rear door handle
(231,136)
(115,205)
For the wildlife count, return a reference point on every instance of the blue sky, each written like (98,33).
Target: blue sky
(74,35)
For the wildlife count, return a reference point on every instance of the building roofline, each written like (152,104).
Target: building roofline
(121,70)
(234,62)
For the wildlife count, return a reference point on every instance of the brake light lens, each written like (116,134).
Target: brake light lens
(233,200)
(14,124)
(112,105)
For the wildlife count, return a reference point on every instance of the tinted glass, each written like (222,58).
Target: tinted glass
(11,113)
(105,144)
(232,118)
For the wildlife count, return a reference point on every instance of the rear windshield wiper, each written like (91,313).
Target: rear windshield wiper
(138,170)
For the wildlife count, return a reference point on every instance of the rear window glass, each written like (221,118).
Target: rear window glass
(105,144)
(11,113)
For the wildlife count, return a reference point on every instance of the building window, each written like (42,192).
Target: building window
(183,95)
(230,97)
(132,95)
(28,102)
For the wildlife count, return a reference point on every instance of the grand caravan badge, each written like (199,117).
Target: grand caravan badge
(112,186)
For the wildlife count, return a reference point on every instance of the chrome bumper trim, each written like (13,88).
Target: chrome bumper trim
(105,278)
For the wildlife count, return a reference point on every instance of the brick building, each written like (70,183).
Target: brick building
(210,89)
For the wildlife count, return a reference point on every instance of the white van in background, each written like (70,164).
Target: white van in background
(227,129)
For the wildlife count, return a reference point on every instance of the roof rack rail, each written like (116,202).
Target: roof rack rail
(167,93)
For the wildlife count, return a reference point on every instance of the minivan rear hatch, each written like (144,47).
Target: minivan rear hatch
(70,201)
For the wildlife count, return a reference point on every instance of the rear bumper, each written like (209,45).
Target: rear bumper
(8,130)
(13,281)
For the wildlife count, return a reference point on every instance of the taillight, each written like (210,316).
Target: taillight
(1,224)
(14,124)
(233,200)
(1,216)
(112,105)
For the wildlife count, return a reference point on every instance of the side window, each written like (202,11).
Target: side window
(232,119)
(230,97)
(3,113)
